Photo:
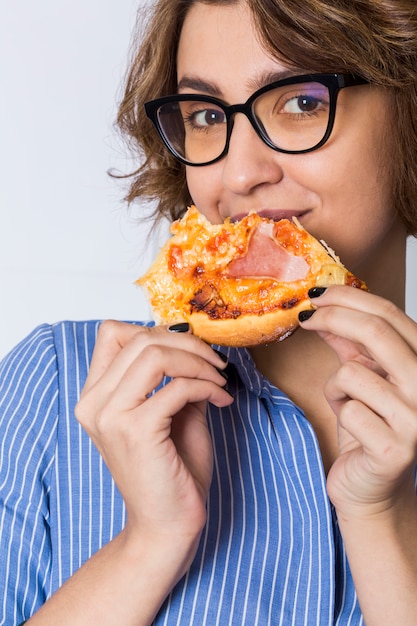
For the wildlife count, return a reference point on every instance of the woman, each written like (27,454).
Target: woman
(279,489)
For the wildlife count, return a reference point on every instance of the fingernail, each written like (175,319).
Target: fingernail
(181,327)
(303,316)
(221,355)
(316,292)
(222,373)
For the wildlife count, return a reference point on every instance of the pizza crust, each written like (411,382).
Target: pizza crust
(248,330)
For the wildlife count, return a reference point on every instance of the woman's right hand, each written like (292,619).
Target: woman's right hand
(156,444)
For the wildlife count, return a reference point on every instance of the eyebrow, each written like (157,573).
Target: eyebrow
(268,77)
(197,84)
(253,84)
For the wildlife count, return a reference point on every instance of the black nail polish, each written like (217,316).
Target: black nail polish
(222,373)
(181,327)
(221,355)
(303,316)
(316,292)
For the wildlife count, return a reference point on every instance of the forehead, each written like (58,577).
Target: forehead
(219,45)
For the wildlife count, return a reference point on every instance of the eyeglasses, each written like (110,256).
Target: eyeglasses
(294,115)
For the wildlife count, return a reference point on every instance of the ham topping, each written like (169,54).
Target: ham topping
(266,258)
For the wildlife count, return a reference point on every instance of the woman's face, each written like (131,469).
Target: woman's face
(339,192)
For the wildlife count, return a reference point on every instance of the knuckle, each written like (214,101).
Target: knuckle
(105,424)
(107,329)
(94,418)
(191,389)
(104,421)
(377,327)
(180,385)
(390,310)
(100,423)
(349,412)
(152,352)
(112,330)
(143,337)
(84,417)
(79,411)
(349,371)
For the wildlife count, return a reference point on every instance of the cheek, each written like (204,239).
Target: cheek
(358,164)
(355,210)
(357,222)
(357,176)
(203,185)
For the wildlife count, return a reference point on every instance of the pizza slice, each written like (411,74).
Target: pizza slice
(239,283)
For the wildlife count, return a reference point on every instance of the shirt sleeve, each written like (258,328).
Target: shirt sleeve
(28,419)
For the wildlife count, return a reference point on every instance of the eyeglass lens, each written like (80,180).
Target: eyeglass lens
(290,117)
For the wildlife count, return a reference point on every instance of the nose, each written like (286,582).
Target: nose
(249,162)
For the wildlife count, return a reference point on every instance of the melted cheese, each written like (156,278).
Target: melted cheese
(212,268)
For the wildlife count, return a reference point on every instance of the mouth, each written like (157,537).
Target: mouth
(274,214)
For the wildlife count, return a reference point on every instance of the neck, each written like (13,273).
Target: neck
(384,268)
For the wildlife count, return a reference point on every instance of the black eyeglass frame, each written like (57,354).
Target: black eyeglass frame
(333,82)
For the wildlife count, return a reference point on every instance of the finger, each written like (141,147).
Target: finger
(354,381)
(381,340)
(363,426)
(171,398)
(117,348)
(153,417)
(366,302)
(142,376)
(387,453)
(155,362)
(111,338)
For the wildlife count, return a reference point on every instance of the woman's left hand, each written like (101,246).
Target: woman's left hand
(374,396)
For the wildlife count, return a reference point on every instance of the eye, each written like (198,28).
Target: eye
(302,104)
(206,117)
(293,103)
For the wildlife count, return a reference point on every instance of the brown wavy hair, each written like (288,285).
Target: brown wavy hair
(376,39)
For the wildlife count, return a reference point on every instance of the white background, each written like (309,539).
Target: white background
(69,247)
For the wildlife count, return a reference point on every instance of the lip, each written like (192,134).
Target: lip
(273,214)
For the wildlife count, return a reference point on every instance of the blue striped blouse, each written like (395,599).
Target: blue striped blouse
(271,552)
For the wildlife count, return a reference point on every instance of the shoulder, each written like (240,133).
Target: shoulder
(39,359)
(28,416)
(40,382)
(48,350)
(45,369)
(28,367)
(52,346)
